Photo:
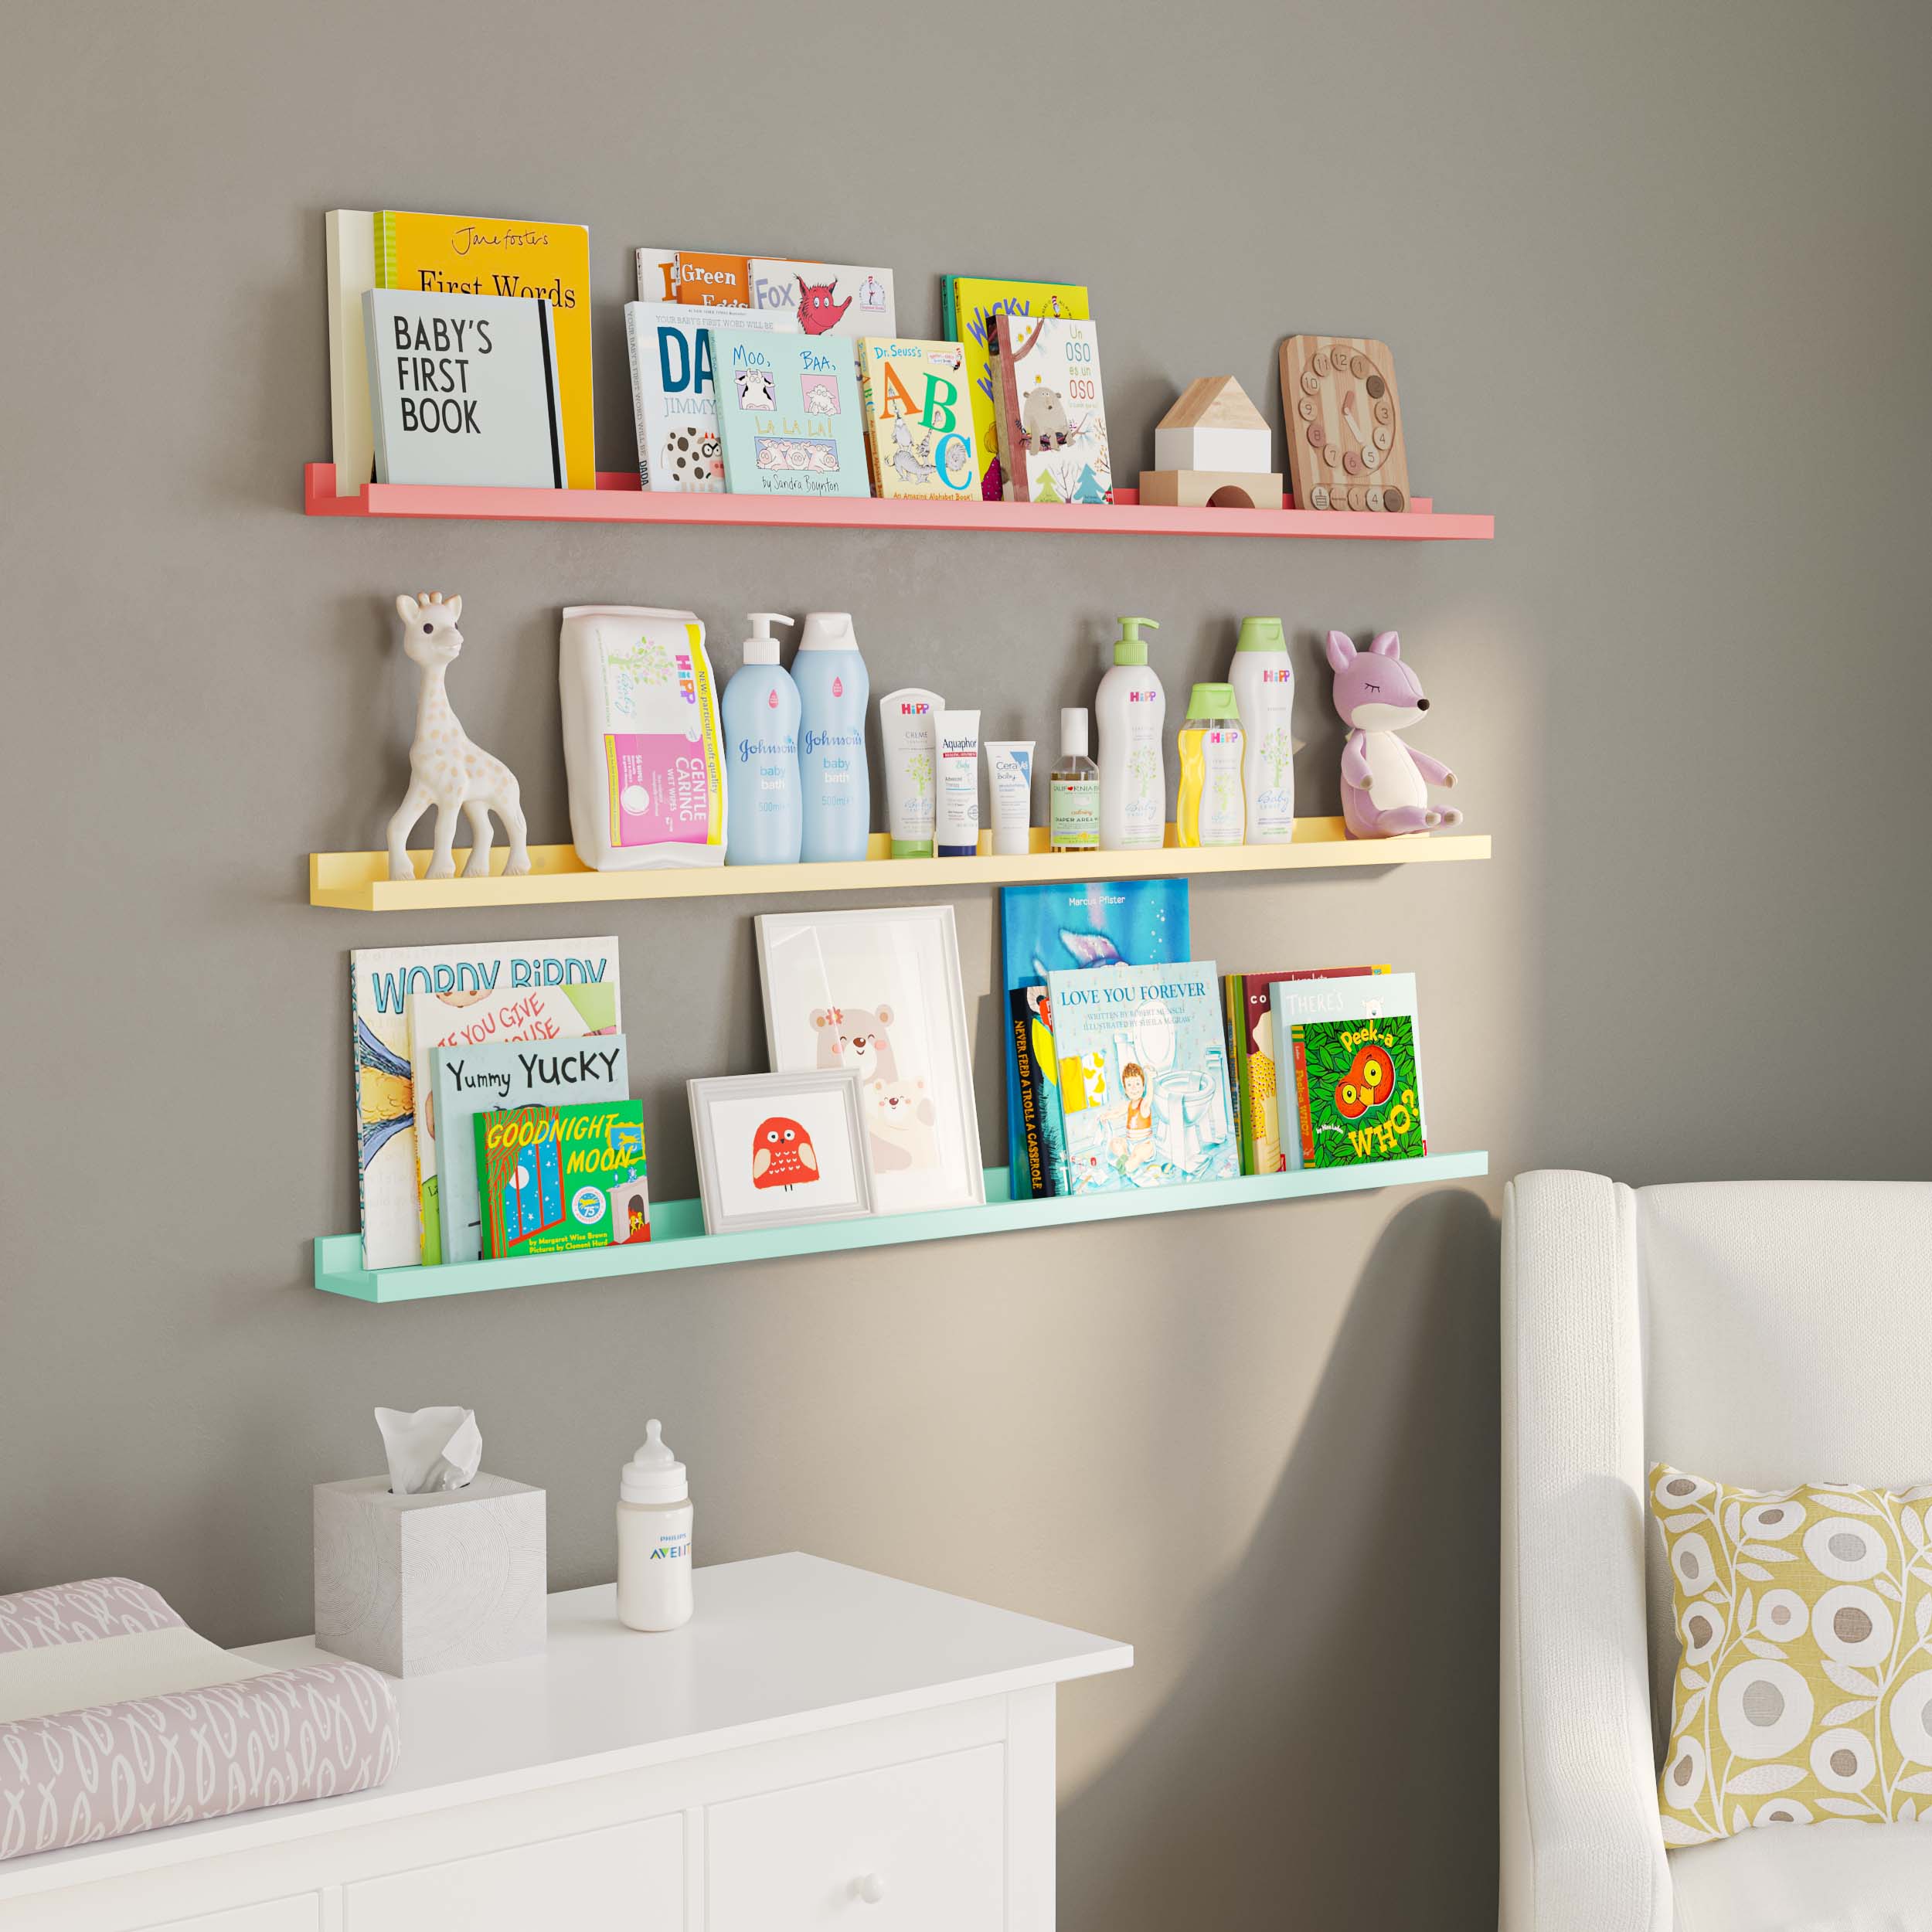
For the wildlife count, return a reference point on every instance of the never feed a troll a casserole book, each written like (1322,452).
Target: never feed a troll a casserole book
(790,414)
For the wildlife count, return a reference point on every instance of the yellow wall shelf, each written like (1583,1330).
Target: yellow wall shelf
(359,881)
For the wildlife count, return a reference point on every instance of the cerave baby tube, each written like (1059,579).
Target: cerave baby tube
(1009,778)
(958,735)
(906,722)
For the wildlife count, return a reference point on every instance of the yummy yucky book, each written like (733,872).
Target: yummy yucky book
(500,1077)
(1143,1077)
(672,394)
(789,414)
(456,255)
(1352,1045)
(381,983)
(530,1013)
(919,425)
(1047,929)
(1052,431)
(553,1178)
(972,304)
(1259,1089)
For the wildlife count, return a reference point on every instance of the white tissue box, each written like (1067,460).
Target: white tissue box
(412,1584)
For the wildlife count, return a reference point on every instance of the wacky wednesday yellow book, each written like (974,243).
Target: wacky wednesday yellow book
(970,303)
(455,255)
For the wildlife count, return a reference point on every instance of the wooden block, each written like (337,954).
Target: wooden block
(1207,446)
(1216,489)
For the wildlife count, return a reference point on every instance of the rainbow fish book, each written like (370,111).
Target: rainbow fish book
(971,304)
(531,1013)
(1143,1077)
(919,425)
(671,394)
(1053,432)
(1357,1091)
(789,414)
(1049,929)
(553,1178)
(381,983)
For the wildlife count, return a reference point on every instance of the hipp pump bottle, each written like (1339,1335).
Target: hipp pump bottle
(836,789)
(1132,710)
(1264,681)
(763,820)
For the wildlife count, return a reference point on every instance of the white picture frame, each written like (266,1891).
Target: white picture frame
(877,992)
(733,1116)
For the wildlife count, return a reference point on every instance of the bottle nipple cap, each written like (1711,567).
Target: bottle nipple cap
(654,1475)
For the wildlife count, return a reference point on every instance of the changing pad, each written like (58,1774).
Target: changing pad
(116,1717)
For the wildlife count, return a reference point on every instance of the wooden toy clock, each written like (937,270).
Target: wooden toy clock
(1346,450)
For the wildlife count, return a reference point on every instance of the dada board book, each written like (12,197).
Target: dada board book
(1049,929)
(972,305)
(1352,1045)
(1143,1076)
(789,414)
(553,1178)
(491,983)
(455,255)
(673,393)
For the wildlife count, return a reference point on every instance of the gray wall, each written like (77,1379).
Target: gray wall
(1627,257)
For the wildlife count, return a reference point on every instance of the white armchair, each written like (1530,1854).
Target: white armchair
(1763,1333)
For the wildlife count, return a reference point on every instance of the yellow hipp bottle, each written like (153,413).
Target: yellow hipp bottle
(1208,812)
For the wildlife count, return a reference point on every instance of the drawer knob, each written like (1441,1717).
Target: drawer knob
(869,1887)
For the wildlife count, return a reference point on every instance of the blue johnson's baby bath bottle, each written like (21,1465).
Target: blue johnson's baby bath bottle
(763,820)
(832,690)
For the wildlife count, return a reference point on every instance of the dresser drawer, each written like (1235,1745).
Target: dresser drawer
(627,1878)
(914,1848)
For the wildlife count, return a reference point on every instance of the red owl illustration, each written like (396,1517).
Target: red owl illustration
(782,1154)
(818,313)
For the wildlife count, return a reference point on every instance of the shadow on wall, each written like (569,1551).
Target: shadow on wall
(1329,1757)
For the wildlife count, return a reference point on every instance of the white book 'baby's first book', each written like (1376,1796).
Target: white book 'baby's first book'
(464,388)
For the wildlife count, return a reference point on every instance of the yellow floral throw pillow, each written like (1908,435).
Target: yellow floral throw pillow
(1804,1691)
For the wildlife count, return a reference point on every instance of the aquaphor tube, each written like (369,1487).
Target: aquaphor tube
(1009,776)
(906,720)
(958,734)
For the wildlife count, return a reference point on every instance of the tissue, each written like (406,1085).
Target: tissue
(429,1449)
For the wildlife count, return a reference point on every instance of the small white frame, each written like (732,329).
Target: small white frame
(793,1095)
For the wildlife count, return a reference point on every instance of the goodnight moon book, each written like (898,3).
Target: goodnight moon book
(1357,1087)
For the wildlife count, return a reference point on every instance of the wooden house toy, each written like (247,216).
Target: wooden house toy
(1213,447)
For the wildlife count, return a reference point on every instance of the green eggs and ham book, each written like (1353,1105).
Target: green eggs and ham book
(1358,1089)
(553,1178)
(495,1078)
(1047,929)
(972,304)
(1143,1077)
(382,982)
(463,388)
(790,414)
(1257,1086)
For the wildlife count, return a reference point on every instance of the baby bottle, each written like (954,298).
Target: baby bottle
(654,1538)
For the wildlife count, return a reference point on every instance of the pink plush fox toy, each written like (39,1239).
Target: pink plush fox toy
(1385,784)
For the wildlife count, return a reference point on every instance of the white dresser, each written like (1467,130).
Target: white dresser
(819,1747)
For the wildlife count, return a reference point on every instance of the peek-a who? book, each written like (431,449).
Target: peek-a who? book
(381,983)
(1352,1047)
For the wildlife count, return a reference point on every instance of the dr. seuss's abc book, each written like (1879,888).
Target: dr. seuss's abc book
(1352,1047)
(1052,429)
(469,1080)
(1143,1077)
(562,1177)
(789,412)
(972,304)
(1047,929)
(381,984)
(919,425)
(1250,1018)
(671,394)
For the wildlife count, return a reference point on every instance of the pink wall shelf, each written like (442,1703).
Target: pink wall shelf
(618,499)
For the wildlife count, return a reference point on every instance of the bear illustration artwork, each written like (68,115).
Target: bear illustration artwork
(900,1115)
(1044,419)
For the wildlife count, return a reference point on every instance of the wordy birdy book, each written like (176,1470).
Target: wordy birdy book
(790,414)
(1053,425)
(919,423)
(381,983)
(672,394)
(1143,1077)
(1349,1046)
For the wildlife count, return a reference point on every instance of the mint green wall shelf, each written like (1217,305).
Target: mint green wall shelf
(677,1239)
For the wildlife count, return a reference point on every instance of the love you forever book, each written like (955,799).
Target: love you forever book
(919,424)
(463,388)
(672,392)
(1052,430)
(789,414)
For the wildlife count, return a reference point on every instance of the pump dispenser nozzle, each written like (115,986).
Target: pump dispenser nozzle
(761,647)
(1130,646)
